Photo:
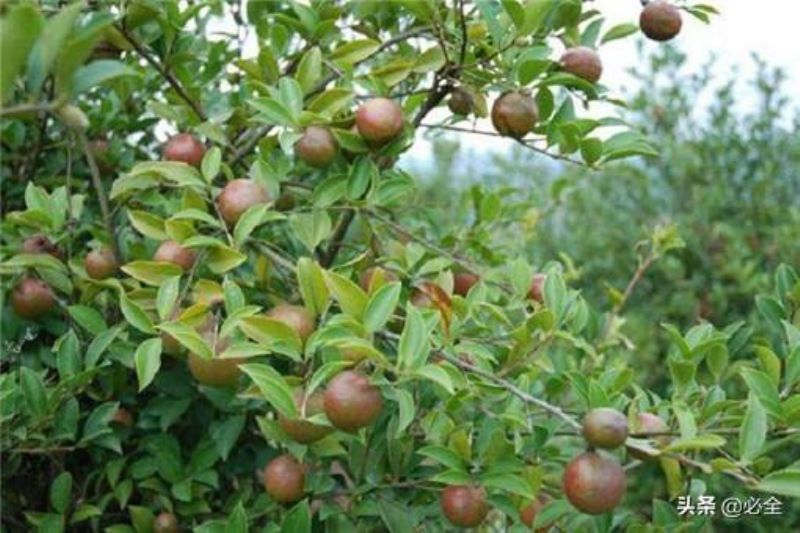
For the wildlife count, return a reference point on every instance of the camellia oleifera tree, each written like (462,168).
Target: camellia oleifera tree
(230,330)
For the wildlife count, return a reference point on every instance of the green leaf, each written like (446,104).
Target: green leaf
(221,259)
(429,60)
(19,29)
(142,518)
(786,482)
(354,51)
(412,351)
(350,297)
(699,442)
(225,433)
(765,389)
(211,164)
(510,483)
(444,456)
(34,392)
(237,520)
(311,280)
(50,43)
(88,318)
(61,492)
(405,410)
(100,344)
(272,112)
(148,224)
(98,72)
(273,387)
(147,360)
(311,228)
(250,220)
(152,272)
(349,141)
(331,101)
(166,297)
(273,334)
(438,375)
(381,306)
(551,513)
(189,338)
(396,516)
(753,434)
(324,373)
(298,519)
(309,70)
(619,31)
(135,315)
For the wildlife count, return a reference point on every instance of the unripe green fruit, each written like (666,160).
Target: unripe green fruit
(528,513)
(32,298)
(379,120)
(351,402)
(317,147)
(605,428)
(464,506)
(461,101)
(660,20)
(297,317)
(300,429)
(284,479)
(594,483)
(101,263)
(463,282)
(238,196)
(477,31)
(514,114)
(165,523)
(185,148)
(171,252)
(73,117)
(583,62)
(39,243)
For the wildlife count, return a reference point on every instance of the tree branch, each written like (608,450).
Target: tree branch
(165,73)
(102,198)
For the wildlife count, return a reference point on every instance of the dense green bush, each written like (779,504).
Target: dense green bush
(243,329)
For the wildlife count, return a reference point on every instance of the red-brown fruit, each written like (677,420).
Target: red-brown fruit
(461,101)
(238,196)
(284,479)
(165,523)
(301,430)
(605,428)
(317,147)
(464,506)
(186,148)
(594,483)
(463,282)
(528,513)
(379,120)
(297,317)
(217,371)
(536,292)
(100,150)
(583,62)
(123,417)
(660,21)
(351,402)
(39,243)
(101,263)
(514,114)
(172,252)
(32,298)
(383,276)
(649,423)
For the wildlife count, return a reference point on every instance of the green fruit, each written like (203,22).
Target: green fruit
(297,317)
(514,114)
(583,62)
(316,147)
(379,120)
(464,506)
(171,252)
(351,402)
(32,298)
(284,479)
(300,429)
(237,197)
(185,148)
(101,263)
(660,20)
(594,483)
(605,428)
(73,117)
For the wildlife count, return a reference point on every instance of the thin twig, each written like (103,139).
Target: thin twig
(634,281)
(164,71)
(102,198)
